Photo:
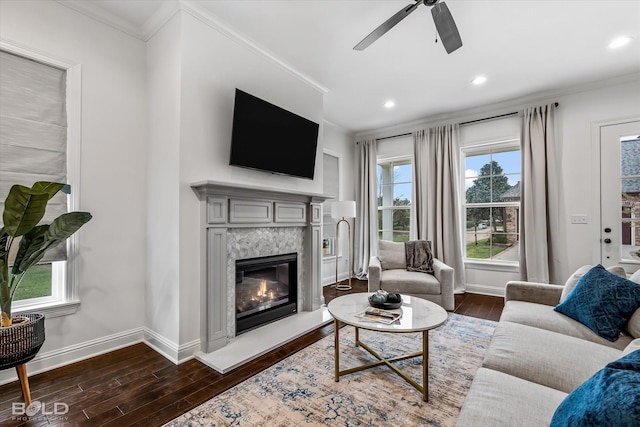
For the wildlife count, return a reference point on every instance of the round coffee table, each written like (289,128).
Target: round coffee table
(418,315)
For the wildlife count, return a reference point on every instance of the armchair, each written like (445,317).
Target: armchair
(388,271)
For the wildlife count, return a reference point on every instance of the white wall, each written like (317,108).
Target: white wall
(163,236)
(339,142)
(579,113)
(113,172)
(211,66)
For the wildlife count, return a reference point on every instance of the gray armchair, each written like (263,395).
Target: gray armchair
(388,271)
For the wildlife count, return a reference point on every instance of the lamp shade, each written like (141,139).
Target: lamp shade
(343,209)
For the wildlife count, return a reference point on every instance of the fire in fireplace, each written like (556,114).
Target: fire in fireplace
(266,290)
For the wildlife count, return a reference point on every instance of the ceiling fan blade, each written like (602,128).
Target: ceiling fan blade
(386,26)
(446,27)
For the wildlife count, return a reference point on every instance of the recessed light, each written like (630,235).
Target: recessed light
(389,104)
(479,80)
(619,42)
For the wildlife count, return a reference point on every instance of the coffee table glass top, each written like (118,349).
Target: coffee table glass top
(417,314)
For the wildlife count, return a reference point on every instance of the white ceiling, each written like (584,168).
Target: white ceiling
(525,48)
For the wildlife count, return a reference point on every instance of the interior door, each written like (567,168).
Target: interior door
(620,195)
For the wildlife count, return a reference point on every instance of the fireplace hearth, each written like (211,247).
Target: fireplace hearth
(265,290)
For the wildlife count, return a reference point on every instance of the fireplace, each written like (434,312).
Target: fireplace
(265,290)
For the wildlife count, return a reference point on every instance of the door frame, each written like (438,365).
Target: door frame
(596,181)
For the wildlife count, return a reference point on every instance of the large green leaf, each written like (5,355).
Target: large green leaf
(4,238)
(31,243)
(67,224)
(60,229)
(51,188)
(23,209)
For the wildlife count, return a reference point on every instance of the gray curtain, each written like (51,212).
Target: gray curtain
(366,221)
(33,131)
(436,195)
(541,254)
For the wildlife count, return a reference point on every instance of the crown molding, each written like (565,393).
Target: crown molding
(96,12)
(207,17)
(167,10)
(497,108)
(164,12)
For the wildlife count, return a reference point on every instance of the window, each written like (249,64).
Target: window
(492,202)
(39,100)
(630,186)
(394,199)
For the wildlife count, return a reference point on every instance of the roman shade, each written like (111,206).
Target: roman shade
(33,131)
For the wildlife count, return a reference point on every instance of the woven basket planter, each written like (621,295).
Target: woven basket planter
(20,343)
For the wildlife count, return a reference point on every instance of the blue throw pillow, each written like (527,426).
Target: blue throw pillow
(611,397)
(602,301)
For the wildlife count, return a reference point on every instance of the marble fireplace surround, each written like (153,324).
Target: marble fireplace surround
(246,222)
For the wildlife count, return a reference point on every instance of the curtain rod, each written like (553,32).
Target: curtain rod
(463,123)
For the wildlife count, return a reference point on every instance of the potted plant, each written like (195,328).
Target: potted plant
(24,208)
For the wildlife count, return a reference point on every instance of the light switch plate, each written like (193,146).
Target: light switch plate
(579,219)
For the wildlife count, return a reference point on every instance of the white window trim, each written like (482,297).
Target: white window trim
(482,264)
(68,299)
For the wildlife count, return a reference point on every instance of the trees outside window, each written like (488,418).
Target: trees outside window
(492,202)
(394,199)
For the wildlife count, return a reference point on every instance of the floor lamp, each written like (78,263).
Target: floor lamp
(340,211)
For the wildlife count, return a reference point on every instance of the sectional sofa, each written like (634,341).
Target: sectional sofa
(538,356)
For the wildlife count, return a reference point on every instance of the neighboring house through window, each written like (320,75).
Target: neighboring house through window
(37,144)
(492,202)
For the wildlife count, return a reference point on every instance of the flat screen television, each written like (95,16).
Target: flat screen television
(269,138)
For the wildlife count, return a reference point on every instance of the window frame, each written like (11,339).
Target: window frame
(396,160)
(65,297)
(476,149)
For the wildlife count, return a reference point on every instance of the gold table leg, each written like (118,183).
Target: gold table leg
(423,388)
(425,366)
(336,346)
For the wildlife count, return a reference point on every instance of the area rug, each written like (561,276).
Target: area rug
(301,391)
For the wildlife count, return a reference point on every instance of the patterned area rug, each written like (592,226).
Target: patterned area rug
(301,391)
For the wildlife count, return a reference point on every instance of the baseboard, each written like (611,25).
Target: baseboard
(169,349)
(484,290)
(46,361)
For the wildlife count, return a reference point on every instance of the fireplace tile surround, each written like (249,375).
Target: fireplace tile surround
(243,243)
(241,222)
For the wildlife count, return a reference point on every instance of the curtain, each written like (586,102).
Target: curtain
(366,221)
(436,195)
(33,131)
(541,254)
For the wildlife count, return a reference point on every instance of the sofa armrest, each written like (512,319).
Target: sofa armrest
(541,293)
(444,274)
(374,273)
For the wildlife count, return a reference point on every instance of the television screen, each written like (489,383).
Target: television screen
(269,138)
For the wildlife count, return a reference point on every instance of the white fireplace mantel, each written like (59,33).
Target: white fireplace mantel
(225,207)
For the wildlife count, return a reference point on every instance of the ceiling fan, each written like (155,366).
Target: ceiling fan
(445,25)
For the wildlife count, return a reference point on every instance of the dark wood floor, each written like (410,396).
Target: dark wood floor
(135,386)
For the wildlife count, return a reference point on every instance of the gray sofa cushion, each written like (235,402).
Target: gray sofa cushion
(544,357)
(410,282)
(633,346)
(500,400)
(392,255)
(543,316)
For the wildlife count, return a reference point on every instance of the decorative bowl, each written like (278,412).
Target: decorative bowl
(384,305)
